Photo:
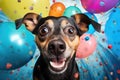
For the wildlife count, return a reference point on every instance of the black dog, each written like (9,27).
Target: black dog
(57,39)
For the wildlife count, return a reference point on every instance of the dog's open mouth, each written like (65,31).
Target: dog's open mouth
(58,65)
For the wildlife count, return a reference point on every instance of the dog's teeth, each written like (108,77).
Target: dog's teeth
(57,65)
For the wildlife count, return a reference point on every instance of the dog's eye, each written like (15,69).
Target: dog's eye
(69,30)
(44,31)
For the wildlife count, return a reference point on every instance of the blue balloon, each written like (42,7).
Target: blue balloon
(112,31)
(17,47)
(93,17)
(23,73)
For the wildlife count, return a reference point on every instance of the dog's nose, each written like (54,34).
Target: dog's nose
(56,47)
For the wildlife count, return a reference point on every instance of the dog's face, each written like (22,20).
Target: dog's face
(56,37)
(57,40)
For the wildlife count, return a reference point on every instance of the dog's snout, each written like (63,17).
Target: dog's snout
(56,47)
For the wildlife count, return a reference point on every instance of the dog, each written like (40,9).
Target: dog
(57,38)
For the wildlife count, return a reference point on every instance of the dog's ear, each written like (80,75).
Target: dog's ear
(96,25)
(84,21)
(30,20)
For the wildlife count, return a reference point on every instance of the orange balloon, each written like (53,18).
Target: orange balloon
(57,9)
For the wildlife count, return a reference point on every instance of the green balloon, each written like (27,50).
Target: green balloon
(71,10)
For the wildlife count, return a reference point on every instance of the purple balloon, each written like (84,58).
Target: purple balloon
(98,6)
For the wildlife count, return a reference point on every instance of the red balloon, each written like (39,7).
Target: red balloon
(87,46)
(57,9)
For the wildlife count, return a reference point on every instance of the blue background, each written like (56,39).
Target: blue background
(103,64)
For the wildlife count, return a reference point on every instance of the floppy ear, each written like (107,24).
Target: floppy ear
(96,25)
(30,20)
(84,21)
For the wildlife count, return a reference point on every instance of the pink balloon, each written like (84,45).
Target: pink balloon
(87,46)
(97,6)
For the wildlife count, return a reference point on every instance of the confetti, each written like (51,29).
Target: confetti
(46,7)
(103,39)
(96,59)
(87,38)
(76,75)
(84,70)
(15,11)
(102,32)
(19,0)
(117,78)
(105,78)
(8,65)
(31,8)
(54,1)
(18,69)
(114,10)
(111,73)
(114,22)
(102,3)
(118,71)
(110,46)
(11,72)
(101,64)
(30,52)
(25,8)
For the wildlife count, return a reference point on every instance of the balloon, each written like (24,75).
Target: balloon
(112,32)
(57,9)
(98,6)
(91,29)
(87,46)
(18,8)
(23,73)
(17,47)
(71,10)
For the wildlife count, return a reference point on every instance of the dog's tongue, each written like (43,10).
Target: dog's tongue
(57,64)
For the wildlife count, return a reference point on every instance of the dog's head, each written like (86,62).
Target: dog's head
(57,37)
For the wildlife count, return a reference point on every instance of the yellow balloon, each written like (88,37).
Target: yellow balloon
(18,8)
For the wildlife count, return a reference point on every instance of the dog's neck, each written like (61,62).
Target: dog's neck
(48,75)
